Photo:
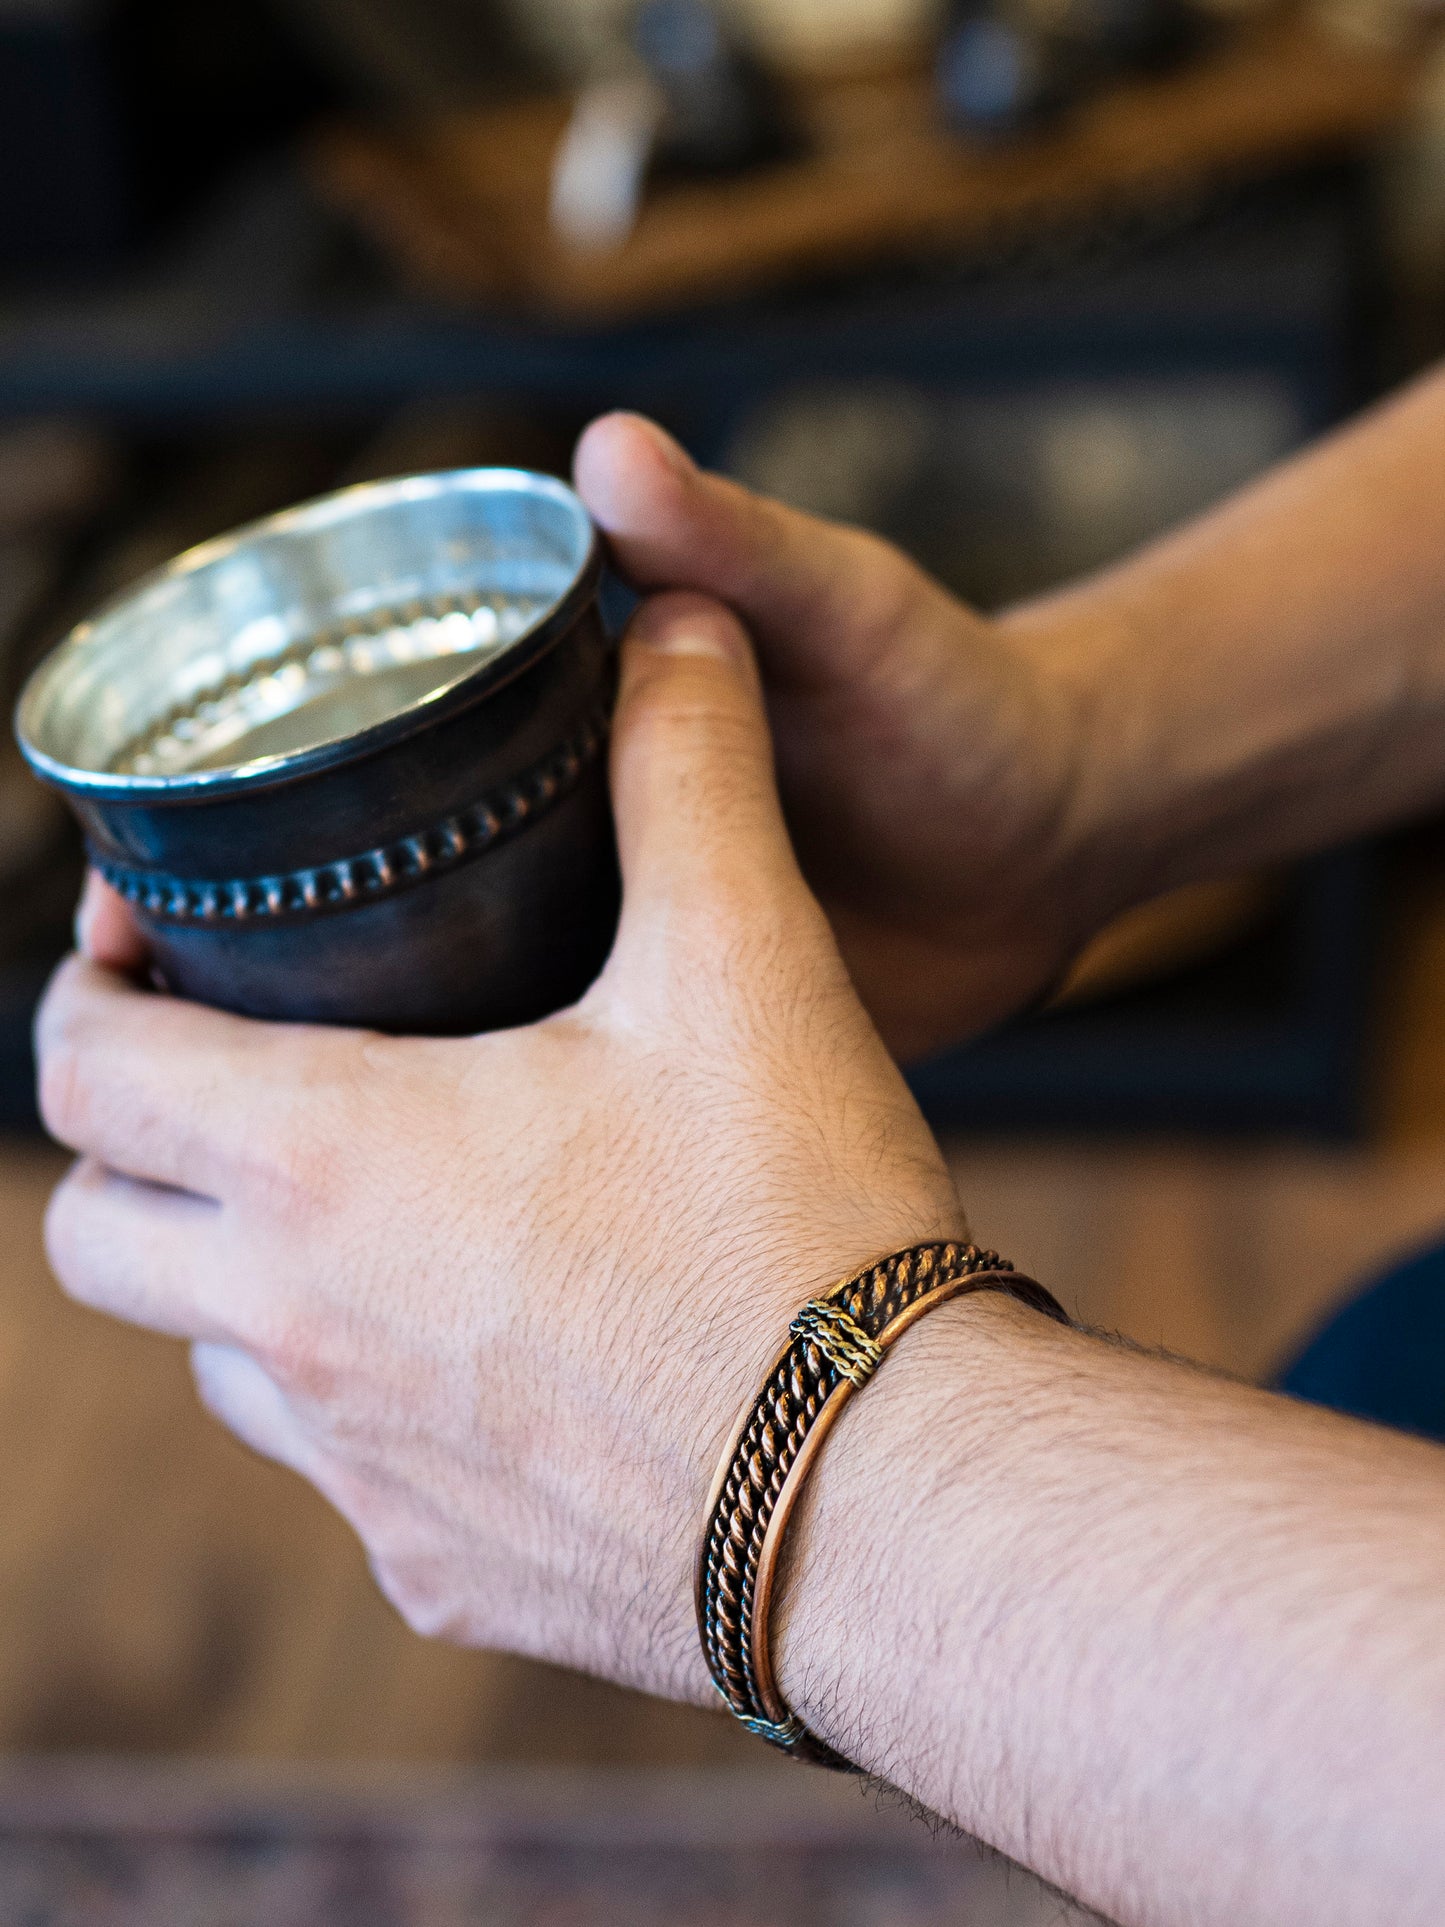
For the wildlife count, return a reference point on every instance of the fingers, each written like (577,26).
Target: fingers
(134,1250)
(158,1088)
(700,831)
(237,1391)
(153,1257)
(824,602)
(105,930)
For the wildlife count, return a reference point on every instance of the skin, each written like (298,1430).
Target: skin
(971,798)
(721,1066)
(1170,1641)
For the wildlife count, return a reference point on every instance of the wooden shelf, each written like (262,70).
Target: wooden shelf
(462,204)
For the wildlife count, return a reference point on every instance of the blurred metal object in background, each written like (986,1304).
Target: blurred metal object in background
(600,168)
(461,202)
(723,111)
(1006,66)
(684,97)
(998,77)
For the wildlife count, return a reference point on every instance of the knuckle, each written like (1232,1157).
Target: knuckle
(61,1087)
(365,1507)
(62,1233)
(293,1170)
(289,1173)
(411,1586)
(335,1080)
(80,1260)
(289,1347)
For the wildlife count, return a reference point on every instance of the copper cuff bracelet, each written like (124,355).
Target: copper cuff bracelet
(835,1345)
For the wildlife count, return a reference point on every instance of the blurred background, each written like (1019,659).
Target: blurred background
(1017,282)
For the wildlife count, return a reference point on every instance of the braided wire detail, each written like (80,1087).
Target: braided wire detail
(785,1733)
(843,1342)
(794,1393)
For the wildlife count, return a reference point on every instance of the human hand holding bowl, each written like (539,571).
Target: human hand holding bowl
(500,1297)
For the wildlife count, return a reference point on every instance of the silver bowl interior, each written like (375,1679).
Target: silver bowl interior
(304,630)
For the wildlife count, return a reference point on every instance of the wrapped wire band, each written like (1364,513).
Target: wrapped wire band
(835,1345)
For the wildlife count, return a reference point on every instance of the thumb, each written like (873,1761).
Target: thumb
(825,602)
(700,832)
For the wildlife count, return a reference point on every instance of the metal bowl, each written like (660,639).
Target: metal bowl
(346,763)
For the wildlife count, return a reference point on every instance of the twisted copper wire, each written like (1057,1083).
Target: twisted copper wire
(835,1344)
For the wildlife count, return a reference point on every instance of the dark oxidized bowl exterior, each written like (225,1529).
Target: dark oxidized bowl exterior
(459,875)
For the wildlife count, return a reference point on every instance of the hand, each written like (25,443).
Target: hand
(501,1298)
(928,758)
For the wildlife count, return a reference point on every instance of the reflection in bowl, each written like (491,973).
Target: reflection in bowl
(345,763)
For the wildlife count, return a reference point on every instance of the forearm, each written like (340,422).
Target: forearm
(1271,677)
(1169,1641)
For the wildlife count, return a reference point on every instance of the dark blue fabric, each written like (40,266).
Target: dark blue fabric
(1383,1356)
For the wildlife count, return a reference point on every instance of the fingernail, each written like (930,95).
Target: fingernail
(698,642)
(689,634)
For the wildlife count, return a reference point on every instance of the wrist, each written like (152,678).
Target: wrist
(836,1344)
(1094,669)
(723,1381)
(878,1567)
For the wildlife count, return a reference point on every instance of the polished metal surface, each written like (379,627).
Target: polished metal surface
(347,765)
(305,636)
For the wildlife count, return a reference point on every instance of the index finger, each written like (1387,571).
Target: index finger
(105,927)
(824,600)
(165,1090)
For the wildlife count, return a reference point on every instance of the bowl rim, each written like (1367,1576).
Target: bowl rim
(316,512)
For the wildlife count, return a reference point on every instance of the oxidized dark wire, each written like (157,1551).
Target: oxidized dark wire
(806,1377)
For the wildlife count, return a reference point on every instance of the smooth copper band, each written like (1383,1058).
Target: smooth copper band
(835,1345)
